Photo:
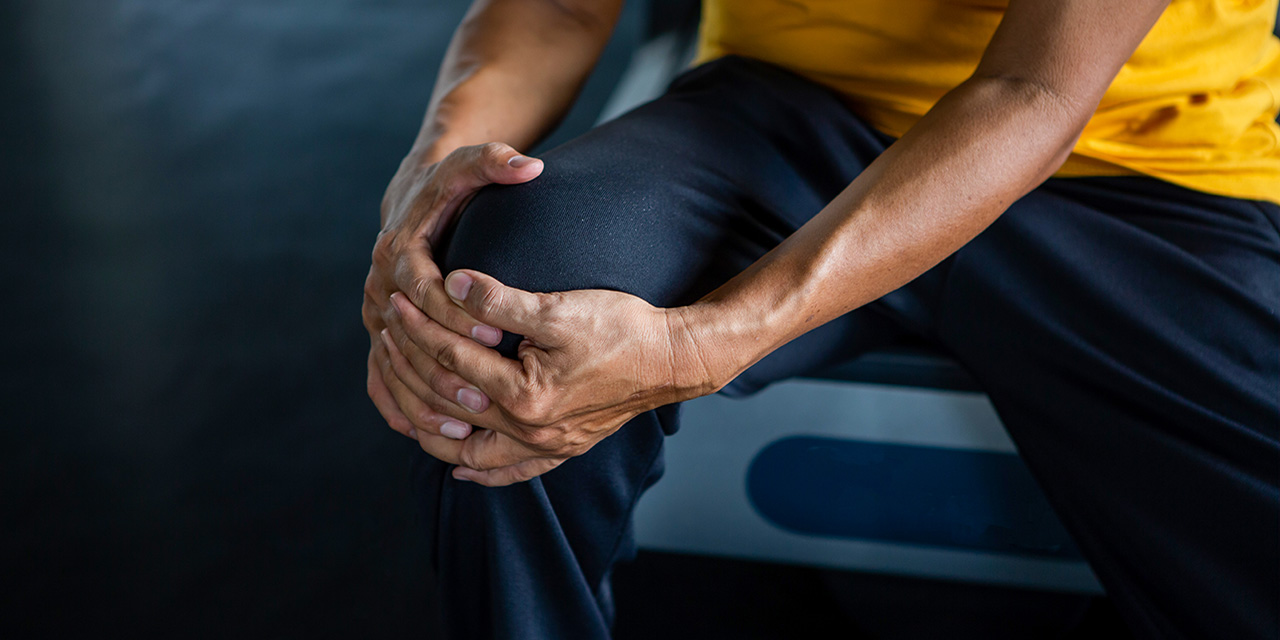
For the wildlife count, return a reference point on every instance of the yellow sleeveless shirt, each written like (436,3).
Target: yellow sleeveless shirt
(1195,105)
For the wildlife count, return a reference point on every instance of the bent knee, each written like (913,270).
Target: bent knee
(567,229)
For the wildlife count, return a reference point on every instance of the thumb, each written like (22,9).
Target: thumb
(467,169)
(496,162)
(494,303)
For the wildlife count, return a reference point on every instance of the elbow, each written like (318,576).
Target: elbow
(1055,118)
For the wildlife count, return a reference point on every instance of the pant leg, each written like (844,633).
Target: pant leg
(1126,331)
(666,203)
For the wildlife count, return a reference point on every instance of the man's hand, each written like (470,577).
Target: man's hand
(590,361)
(420,203)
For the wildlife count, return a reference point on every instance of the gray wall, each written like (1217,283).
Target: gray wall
(190,193)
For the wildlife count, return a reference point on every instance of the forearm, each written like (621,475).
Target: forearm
(984,145)
(511,72)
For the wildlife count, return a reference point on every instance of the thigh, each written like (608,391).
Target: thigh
(1126,330)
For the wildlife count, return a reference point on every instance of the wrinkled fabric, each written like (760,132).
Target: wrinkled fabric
(1125,328)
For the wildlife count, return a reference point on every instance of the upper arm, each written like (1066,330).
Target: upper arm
(1071,49)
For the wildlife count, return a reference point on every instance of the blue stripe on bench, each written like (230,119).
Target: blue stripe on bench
(952,498)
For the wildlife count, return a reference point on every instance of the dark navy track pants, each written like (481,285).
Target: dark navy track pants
(1125,329)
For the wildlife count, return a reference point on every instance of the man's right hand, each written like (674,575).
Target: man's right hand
(420,203)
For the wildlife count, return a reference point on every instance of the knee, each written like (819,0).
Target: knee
(573,227)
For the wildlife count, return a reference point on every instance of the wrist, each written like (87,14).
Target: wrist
(711,345)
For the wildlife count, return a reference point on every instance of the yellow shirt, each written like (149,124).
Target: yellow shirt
(1195,105)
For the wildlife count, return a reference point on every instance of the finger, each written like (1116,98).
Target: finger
(439,447)
(503,476)
(467,169)
(434,376)
(408,404)
(419,278)
(452,418)
(493,374)
(383,400)
(475,166)
(496,304)
(419,402)
(486,450)
(371,309)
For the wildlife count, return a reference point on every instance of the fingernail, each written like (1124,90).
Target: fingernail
(386,339)
(458,285)
(463,478)
(413,433)
(455,430)
(471,399)
(518,162)
(396,301)
(486,335)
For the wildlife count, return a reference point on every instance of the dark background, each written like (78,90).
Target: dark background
(190,195)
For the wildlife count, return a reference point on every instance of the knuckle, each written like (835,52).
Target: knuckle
(550,305)
(490,298)
(505,399)
(550,442)
(455,319)
(467,458)
(371,288)
(447,356)
(553,313)
(424,419)
(493,151)
(371,316)
(439,380)
(529,407)
(520,409)
(373,322)
(419,289)
(540,410)
(436,403)
(542,438)
(384,248)
(383,364)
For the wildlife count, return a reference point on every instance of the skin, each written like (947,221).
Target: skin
(512,70)
(592,360)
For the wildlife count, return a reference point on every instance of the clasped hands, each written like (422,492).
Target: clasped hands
(589,361)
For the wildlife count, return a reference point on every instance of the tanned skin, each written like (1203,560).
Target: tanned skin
(594,359)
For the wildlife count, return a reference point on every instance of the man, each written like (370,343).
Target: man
(1075,198)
